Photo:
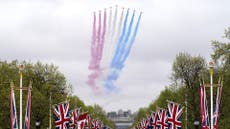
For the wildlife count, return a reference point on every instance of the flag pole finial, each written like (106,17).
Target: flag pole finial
(21,67)
(211,66)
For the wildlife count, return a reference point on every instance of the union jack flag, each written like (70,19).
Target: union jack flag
(13,111)
(88,122)
(94,124)
(73,119)
(144,123)
(216,112)
(154,117)
(149,124)
(174,115)
(81,121)
(61,116)
(203,109)
(139,125)
(162,121)
(28,106)
(99,124)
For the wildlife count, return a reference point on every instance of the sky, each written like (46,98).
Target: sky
(59,32)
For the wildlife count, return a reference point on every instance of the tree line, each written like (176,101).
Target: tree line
(188,72)
(47,81)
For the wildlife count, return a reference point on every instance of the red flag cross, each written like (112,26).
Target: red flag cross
(61,116)
(162,119)
(174,114)
(73,119)
(154,117)
(81,120)
(94,124)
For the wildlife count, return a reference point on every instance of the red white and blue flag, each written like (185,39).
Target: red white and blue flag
(61,116)
(150,121)
(88,122)
(203,109)
(28,107)
(81,121)
(73,119)
(162,121)
(13,111)
(144,123)
(174,115)
(99,124)
(216,112)
(94,124)
(154,117)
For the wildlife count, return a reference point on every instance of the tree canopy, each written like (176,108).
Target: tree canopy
(188,72)
(47,81)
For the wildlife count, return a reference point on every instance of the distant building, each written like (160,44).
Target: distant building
(122,119)
(120,113)
(112,115)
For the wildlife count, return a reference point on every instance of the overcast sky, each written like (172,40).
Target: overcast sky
(59,32)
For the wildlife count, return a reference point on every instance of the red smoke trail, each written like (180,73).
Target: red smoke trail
(93,44)
(101,44)
(97,46)
(98,42)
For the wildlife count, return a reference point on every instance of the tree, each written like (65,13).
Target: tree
(187,70)
(46,81)
(169,93)
(221,56)
(185,77)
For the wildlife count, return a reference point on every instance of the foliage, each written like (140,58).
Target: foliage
(161,101)
(187,74)
(187,69)
(46,81)
(221,56)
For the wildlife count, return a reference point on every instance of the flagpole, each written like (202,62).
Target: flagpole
(186,112)
(50,126)
(211,65)
(20,73)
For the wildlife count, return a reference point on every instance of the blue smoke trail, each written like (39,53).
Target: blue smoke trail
(113,75)
(131,42)
(122,52)
(119,43)
(124,44)
(109,82)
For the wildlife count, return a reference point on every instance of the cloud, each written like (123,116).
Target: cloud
(59,32)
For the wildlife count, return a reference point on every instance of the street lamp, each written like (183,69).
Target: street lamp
(196,124)
(38,123)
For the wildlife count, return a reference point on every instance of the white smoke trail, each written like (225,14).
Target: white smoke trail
(105,58)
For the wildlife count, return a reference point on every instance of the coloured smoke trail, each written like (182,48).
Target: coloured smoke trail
(122,52)
(96,50)
(117,33)
(119,44)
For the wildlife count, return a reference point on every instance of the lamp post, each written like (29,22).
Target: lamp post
(38,123)
(186,111)
(196,124)
(50,100)
(50,124)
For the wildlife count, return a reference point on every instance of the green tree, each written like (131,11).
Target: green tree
(46,81)
(185,77)
(187,70)
(221,56)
